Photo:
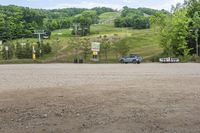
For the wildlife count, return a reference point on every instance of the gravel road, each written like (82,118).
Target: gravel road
(103,98)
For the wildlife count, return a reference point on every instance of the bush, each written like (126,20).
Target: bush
(136,22)
(26,51)
(184,59)
(47,48)
(155,58)
(42,49)
(23,51)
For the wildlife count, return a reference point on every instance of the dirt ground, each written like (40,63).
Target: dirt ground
(113,98)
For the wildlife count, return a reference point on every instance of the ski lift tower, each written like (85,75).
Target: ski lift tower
(39,33)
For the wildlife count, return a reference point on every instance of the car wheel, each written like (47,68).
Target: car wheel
(138,62)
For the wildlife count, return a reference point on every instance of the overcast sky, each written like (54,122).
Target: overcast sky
(115,4)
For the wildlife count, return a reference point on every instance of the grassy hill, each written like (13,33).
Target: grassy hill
(143,42)
(108,18)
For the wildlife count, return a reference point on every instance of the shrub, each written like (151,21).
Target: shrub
(23,51)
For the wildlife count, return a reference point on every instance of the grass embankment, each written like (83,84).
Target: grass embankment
(108,18)
(142,42)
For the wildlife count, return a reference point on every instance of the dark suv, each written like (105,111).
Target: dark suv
(132,58)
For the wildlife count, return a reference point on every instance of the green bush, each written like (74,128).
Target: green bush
(155,58)
(23,51)
(47,48)
(26,51)
(185,59)
(42,49)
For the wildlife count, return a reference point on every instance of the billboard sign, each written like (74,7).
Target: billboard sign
(95,46)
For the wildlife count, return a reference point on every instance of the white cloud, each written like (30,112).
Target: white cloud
(128,1)
(166,4)
(85,4)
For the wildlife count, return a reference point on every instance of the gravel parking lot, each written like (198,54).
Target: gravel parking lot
(103,98)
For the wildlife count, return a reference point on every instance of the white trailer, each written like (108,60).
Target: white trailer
(169,60)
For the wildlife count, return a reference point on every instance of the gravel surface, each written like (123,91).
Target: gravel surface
(104,98)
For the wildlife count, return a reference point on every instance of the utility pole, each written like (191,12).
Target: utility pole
(57,40)
(6,48)
(76,26)
(39,33)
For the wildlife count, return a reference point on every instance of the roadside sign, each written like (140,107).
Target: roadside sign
(39,32)
(95,53)
(95,46)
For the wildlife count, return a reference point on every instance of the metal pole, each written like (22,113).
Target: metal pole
(197,43)
(57,51)
(6,54)
(39,38)
(76,28)
(6,48)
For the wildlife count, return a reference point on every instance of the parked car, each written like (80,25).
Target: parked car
(132,58)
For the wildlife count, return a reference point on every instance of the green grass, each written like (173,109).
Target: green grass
(108,18)
(20,61)
(100,29)
(144,43)
(64,33)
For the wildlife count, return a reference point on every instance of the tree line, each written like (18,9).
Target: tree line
(20,22)
(180,31)
(136,18)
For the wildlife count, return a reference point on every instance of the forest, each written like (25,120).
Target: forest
(20,22)
(136,18)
